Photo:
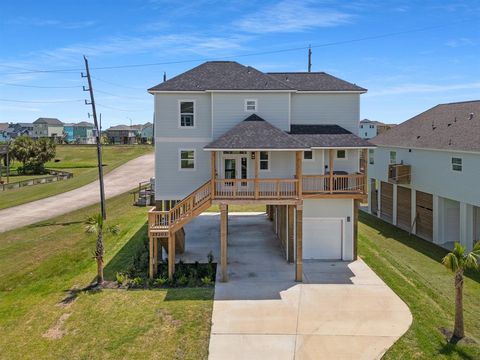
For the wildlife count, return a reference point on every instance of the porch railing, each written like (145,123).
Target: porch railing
(351,183)
(256,188)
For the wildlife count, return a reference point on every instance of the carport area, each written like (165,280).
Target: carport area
(342,310)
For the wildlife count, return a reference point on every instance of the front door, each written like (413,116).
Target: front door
(235,167)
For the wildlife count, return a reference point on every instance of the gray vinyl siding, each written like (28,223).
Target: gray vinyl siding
(282,165)
(228,110)
(339,109)
(315,167)
(172,183)
(167,115)
(351,164)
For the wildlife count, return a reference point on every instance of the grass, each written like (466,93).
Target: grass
(79,160)
(412,268)
(42,262)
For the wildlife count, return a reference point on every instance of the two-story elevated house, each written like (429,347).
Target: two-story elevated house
(425,174)
(230,134)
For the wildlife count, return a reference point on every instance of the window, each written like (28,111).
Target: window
(457,164)
(341,154)
(187,159)
(251,105)
(187,113)
(361,126)
(393,157)
(366,134)
(371,158)
(264,160)
(308,156)
(372,126)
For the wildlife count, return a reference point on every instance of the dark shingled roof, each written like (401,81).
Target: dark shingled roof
(327,136)
(221,75)
(453,126)
(48,121)
(230,75)
(314,81)
(255,133)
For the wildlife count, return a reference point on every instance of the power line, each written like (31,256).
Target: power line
(117,84)
(334,43)
(41,101)
(41,86)
(118,96)
(117,109)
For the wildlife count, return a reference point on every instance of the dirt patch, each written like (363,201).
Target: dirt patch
(169,318)
(450,338)
(57,331)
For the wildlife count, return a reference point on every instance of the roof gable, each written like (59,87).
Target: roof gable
(315,81)
(48,121)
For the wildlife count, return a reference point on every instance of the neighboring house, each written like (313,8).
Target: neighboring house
(20,129)
(48,127)
(68,133)
(238,135)
(369,128)
(146,133)
(122,134)
(425,173)
(4,134)
(83,133)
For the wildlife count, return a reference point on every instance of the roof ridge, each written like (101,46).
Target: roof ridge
(458,102)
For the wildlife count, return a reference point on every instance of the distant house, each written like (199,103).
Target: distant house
(68,133)
(146,134)
(122,134)
(424,174)
(83,133)
(369,128)
(19,129)
(48,127)
(4,134)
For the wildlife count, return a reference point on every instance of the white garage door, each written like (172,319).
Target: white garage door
(322,238)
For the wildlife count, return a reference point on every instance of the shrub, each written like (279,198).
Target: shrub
(122,279)
(137,282)
(207,281)
(160,281)
(182,280)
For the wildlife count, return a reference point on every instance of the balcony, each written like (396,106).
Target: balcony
(399,173)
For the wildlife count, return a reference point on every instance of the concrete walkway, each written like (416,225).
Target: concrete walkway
(118,181)
(343,310)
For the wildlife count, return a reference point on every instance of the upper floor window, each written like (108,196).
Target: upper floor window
(341,154)
(187,160)
(371,156)
(361,126)
(308,156)
(187,113)
(372,126)
(457,164)
(264,160)
(393,157)
(250,105)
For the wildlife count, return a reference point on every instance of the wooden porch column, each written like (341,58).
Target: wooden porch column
(330,167)
(290,235)
(356,204)
(298,259)
(213,161)
(223,241)
(298,172)
(257,168)
(151,258)
(171,256)
(365,171)
(155,256)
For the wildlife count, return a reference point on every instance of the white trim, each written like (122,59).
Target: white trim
(331,92)
(263,91)
(249,91)
(245,105)
(211,113)
(269,162)
(289,111)
(343,147)
(308,160)
(180,159)
(168,139)
(427,149)
(180,114)
(269,150)
(153,92)
(344,158)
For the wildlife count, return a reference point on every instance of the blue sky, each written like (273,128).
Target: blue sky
(405,73)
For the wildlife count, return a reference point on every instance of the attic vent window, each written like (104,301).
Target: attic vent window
(250,105)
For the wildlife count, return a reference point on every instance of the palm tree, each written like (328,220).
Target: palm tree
(95,225)
(458,261)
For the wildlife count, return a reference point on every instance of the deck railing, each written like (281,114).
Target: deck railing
(351,184)
(256,188)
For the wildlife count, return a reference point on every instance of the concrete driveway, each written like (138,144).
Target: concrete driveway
(118,181)
(341,311)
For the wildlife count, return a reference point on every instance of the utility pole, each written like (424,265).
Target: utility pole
(97,135)
(309,58)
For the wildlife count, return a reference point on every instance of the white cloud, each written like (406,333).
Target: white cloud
(292,16)
(424,88)
(62,24)
(454,43)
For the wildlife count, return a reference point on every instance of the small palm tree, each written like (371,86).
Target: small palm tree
(458,261)
(95,225)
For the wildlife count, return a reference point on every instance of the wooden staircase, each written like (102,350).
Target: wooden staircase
(163,224)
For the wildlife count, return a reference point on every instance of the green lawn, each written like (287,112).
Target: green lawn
(79,160)
(412,268)
(42,262)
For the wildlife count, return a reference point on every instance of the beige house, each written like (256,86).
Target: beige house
(47,127)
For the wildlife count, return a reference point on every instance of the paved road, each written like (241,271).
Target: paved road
(118,181)
(342,310)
